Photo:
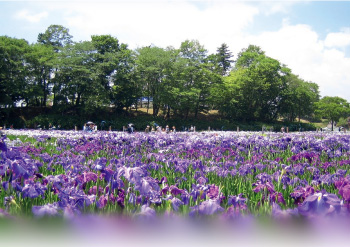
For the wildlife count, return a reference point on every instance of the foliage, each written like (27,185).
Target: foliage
(87,77)
(332,108)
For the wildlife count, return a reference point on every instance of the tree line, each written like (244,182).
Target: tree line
(87,76)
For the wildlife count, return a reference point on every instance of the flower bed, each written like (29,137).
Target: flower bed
(226,176)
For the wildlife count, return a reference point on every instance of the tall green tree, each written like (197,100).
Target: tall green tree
(75,82)
(13,70)
(193,77)
(224,59)
(258,82)
(55,36)
(333,108)
(126,88)
(106,59)
(41,60)
(299,98)
(152,65)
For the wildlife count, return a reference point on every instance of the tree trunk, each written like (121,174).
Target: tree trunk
(168,113)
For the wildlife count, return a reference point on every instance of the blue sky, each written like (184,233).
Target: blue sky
(312,38)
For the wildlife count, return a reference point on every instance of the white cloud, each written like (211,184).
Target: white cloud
(313,59)
(273,7)
(26,15)
(340,39)
(167,23)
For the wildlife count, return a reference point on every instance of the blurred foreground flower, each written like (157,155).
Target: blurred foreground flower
(279,214)
(321,203)
(208,207)
(46,210)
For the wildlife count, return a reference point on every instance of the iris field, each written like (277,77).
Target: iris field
(224,176)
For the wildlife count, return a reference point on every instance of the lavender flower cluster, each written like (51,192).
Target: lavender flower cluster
(231,175)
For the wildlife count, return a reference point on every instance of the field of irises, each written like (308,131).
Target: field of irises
(227,176)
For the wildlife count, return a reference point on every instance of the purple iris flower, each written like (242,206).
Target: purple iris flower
(341,172)
(320,203)
(202,180)
(213,191)
(262,186)
(176,203)
(133,175)
(185,197)
(165,190)
(20,169)
(33,190)
(342,182)
(3,146)
(88,176)
(146,185)
(14,184)
(107,174)
(132,198)
(102,201)
(237,201)
(121,198)
(4,165)
(73,200)
(285,180)
(300,193)
(99,164)
(263,177)
(175,190)
(155,198)
(343,185)
(93,190)
(277,197)
(197,190)
(344,191)
(298,169)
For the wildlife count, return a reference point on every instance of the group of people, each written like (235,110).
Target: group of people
(160,129)
(90,127)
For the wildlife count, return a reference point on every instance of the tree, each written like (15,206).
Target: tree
(258,83)
(152,65)
(126,89)
(41,60)
(74,79)
(55,36)
(299,98)
(332,108)
(13,69)
(106,59)
(194,77)
(224,59)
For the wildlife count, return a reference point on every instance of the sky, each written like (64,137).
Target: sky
(312,38)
